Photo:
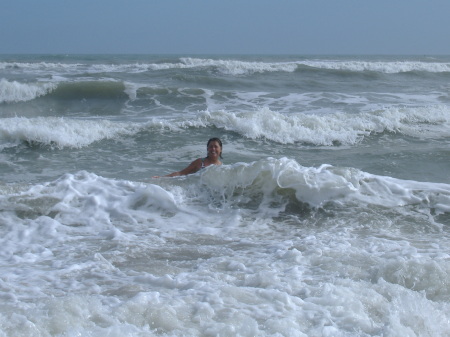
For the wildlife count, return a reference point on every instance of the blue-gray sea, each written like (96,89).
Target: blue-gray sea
(330,215)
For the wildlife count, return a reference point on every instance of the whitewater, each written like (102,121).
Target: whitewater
(329,216)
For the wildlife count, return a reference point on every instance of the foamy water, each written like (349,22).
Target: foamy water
(329,217)
(233,66)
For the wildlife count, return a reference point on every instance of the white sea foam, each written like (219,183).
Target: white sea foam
(59,69)
(231,66)
(101,256)
(331,128)
(263,248)
(235,67)
(326,129)
(43,68)
(389,67)
(62,132)
(13,91)
(318,186)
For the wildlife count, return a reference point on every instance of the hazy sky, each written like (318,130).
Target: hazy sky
(226,26)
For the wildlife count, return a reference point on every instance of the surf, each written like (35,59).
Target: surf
(14,91)
(59,132)
(334,128)
(319,186)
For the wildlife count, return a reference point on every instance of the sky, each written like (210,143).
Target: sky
(302,27)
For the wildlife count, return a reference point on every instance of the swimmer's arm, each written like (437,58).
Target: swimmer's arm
(192,168)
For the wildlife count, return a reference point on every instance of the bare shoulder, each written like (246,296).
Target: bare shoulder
(197,163)
(193,167)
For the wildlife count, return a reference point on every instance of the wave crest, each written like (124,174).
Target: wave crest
(268,180)
(335,128)
(233,66)
(14,92)
(387,67)
(236,67)
(62,132)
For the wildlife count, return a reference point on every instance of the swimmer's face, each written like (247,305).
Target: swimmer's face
(214,149)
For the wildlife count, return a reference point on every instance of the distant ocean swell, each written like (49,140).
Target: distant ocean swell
(78,80)
(232,67)
(14,91)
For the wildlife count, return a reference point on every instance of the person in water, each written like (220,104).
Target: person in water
(214,152)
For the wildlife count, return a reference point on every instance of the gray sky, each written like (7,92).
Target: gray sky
(225,26)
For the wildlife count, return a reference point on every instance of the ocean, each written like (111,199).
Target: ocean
(330,215)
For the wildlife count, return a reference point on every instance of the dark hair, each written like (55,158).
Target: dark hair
(215,139)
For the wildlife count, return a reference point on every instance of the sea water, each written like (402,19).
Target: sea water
(330,215)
